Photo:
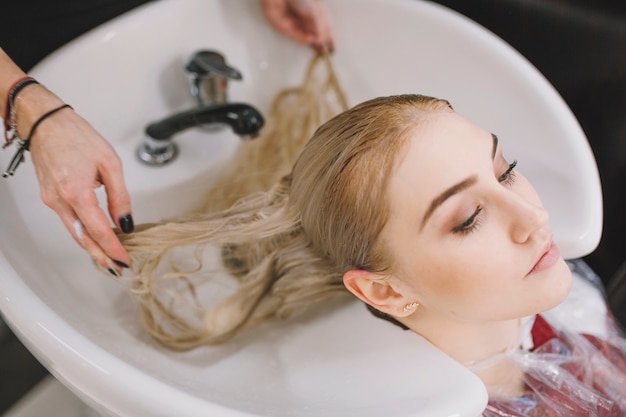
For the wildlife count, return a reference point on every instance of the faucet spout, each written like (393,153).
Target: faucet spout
(244,120)
(158,148)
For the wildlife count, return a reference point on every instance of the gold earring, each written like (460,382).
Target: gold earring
(410,307)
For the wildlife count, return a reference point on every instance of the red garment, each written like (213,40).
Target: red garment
(567,375)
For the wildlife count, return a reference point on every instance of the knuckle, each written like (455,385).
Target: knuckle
(67,192)
(48,198)
(101,233)
(113,161)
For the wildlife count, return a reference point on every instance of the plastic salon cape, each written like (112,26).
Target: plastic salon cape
(565,373)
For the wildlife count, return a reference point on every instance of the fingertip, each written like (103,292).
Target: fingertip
(330,46)
(120,264)
(317,47)
(126,223)
(114,272)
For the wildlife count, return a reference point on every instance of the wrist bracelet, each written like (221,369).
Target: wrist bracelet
(24,144)
(41,119)
(9,116)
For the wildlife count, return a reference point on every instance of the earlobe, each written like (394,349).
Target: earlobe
(375,290)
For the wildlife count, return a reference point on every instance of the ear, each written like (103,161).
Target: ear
(375,290)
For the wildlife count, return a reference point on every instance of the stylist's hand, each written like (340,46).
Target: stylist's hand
(71,160)
(305,21)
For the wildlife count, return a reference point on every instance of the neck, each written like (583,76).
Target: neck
(466,342)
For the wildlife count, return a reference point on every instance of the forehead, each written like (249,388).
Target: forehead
(441,151)
(443,132)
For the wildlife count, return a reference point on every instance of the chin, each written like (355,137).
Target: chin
(558,285)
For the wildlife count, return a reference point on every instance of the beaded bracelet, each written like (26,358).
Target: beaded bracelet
(24,144)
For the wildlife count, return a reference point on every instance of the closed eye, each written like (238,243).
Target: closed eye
(508,177)
(470,224)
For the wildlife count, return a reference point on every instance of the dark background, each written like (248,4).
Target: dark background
(579,46)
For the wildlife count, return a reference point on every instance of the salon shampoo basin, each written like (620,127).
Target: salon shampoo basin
(337,360)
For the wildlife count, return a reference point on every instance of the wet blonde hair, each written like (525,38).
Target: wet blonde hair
(294,115)
(299,238)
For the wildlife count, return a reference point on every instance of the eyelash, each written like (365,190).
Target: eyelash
(472,223)
(469,225)
(508,177)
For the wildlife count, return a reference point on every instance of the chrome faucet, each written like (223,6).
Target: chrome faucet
(208,77)
(208,81)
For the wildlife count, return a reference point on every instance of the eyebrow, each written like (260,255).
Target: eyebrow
(456,188)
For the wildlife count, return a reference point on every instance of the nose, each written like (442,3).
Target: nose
(528,218)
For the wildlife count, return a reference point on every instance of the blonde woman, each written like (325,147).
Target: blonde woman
(418,213)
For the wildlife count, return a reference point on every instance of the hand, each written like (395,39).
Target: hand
(71,160)
(305,21)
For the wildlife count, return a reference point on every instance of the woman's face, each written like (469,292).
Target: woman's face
(468,233)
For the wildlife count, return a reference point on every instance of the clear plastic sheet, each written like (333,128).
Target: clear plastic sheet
(564,371)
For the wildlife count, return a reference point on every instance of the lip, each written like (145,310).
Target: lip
(547,258)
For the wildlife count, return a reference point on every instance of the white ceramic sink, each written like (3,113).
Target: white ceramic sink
(340,362)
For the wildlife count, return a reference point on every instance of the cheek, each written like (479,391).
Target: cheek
(460,274)
(472,281)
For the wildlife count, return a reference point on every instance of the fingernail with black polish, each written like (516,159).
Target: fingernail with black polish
(126,223)
(120,263)
(113,272)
